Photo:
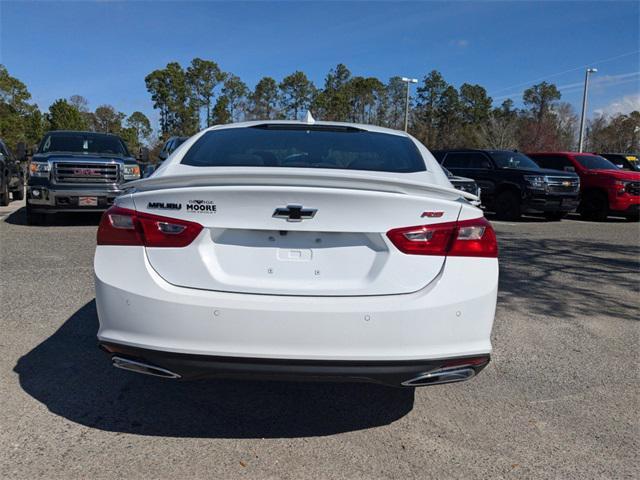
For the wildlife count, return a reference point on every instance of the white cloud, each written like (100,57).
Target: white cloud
(460,43)
(623,105)
(596,84)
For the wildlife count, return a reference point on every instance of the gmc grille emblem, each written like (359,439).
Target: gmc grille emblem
(294,213)
(86,171)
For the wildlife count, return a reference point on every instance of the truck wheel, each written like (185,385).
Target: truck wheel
(507,206)
(555,216)
(35,218)
(594,206)
(18,194)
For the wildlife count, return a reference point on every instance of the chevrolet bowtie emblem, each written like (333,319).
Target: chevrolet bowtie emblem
(294,213)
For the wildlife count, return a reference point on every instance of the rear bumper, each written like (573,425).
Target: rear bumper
(450,318)
(197,367)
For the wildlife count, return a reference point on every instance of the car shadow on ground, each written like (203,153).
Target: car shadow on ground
(19,217)
(523,219)
(74,379)
(609,219)
(569,278)
(533,218)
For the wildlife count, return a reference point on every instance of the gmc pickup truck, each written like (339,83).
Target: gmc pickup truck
(77,172)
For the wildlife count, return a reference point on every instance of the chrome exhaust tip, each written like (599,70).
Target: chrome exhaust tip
(140,367)
(436,377)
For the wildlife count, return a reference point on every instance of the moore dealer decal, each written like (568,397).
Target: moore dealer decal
(201,206)
(165,206)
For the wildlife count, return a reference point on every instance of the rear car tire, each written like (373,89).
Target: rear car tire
(594,206)
(35,218)
(507,206)
(555,216)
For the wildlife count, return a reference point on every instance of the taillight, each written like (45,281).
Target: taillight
(121,226)
(468,238)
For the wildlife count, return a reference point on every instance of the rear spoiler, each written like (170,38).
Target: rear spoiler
(286,177)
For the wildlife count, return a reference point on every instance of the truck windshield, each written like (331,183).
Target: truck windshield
(83,143)
(301,146)
(595,162)
(506,159)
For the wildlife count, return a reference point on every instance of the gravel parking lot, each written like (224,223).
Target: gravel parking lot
(560,398)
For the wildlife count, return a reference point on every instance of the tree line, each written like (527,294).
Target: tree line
(441,115)
(22,121)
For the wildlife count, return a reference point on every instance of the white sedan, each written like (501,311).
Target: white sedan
(297,250)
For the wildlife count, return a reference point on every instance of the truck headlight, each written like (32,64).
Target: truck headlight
(536,182)
(620,186)
(39,169)
(131,172)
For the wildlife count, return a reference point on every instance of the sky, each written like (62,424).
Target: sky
(102,50)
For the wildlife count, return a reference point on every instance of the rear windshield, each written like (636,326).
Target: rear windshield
(305,147)
(83,143)
(595,162)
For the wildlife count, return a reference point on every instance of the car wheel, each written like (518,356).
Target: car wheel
(4,193)
(18,194)
(594,206)
(35,218)
(507,206)
(555,216)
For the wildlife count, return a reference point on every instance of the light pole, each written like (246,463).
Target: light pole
(408,81)
(584,106)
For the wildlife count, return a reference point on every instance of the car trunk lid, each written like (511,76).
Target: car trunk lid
(320,237)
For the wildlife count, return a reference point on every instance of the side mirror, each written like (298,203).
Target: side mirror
(485,164)
(143,155)
(163,156)
(21,151)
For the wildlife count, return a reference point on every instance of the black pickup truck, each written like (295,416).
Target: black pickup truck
(77,172)
(513,184)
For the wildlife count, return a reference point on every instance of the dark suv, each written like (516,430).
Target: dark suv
(168,148)
(513,184)
(11,176)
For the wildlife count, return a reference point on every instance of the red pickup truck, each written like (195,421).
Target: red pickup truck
(604,188)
